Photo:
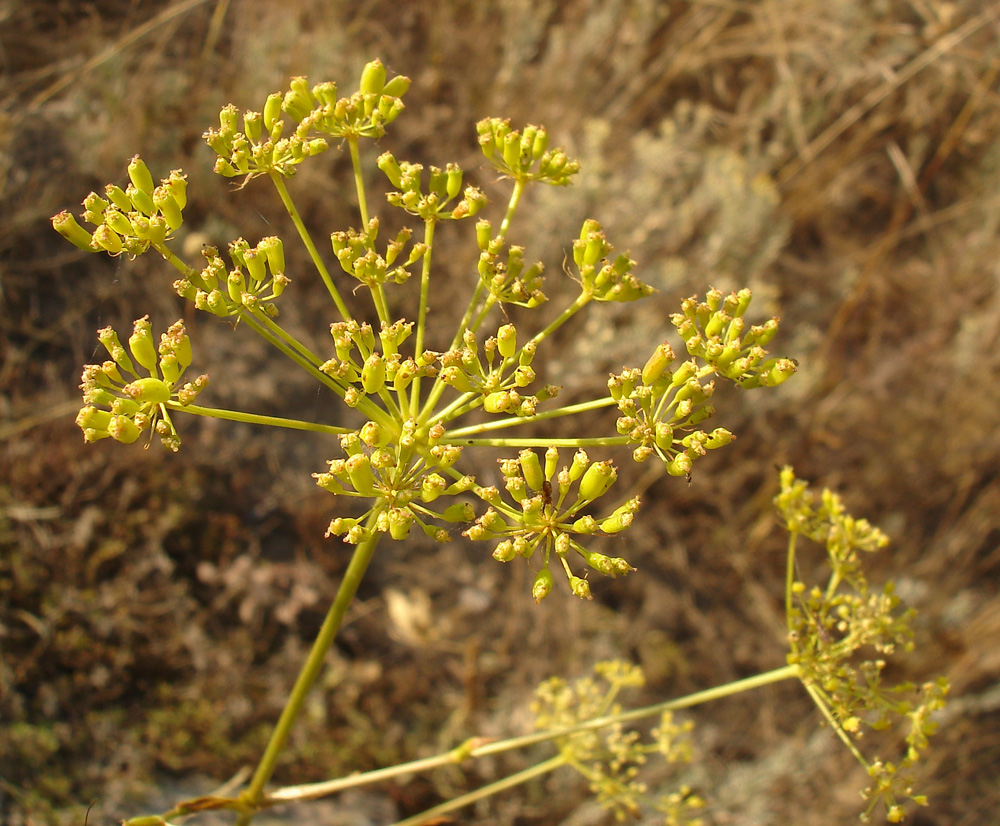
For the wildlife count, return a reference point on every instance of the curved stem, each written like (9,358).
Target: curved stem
(480,747)
(431,815)
(355,572)
(789,583)
(253,418)
(286,199)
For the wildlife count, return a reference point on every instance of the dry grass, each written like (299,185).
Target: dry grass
(840,156)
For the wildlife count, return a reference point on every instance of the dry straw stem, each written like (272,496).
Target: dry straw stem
(130,38)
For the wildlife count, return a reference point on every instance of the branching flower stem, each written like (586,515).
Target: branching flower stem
(477,747)
(355,572)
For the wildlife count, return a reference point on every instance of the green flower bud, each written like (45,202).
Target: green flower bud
(595,482)
(580,463)
(531,469)
(390,166)
(662,357)
(780,372)
(140,200)
(622,517)
(373,373)
(66,225)
(147,391)
(580,587)
(523,376)
(141,344)
(446,455)
(484,233)
(119,223)
(504,552)
(107,239)
(498,402)
(93,418)
(680,465)
(93,208)
(432,486)
(372,78)
(329,482)
(297,101)
(585,524)
(139,175)
(123,429)
(124,407)
(397,87)
(719,438)
(400,521)
(507,340)
(170,368)
(664,435)
(542,585)
(359,470)
(272,112)
(168,207)
(459,512)
(118,197)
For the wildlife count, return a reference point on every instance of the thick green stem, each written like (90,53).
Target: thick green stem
(300,227)
(514,421)
(311,669)
(359,181)
(425,282)
(582,301)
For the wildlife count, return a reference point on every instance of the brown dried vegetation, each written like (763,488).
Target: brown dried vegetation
(841,157)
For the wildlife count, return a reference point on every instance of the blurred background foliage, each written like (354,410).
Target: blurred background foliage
(840,157)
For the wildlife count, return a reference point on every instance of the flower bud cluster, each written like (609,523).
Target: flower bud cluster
(508,281)
(128,220)
(660,406)
(498,373)
(121,402)
(444,186)
(601,279)
(257,278)
(258,147)
(366,364)
(542,512)
(524,155)
(400,468)
(365,113)
(840,634)
(610,758)
(360,259)
(714,330)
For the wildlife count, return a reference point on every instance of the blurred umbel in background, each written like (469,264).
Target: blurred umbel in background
(841,158)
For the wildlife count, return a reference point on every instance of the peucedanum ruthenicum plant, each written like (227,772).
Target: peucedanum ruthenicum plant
(418,409)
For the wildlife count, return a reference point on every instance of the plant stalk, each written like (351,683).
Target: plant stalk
(310,670)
